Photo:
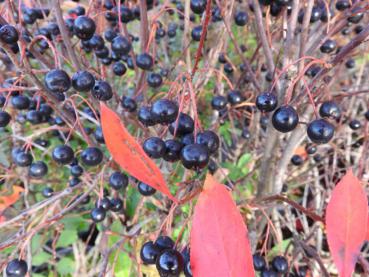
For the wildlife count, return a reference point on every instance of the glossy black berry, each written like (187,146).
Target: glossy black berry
(145,116)
(92,156)
(83,81)
(118,180)
(23,159)
(188,139)
(228,68)
(209,139)
(266,102)
(172,150)
(219,102)
(154,147)
(164,242)
(367,115)
(196,33)
(9,34)
(235,97)
(164,111)
(154,80)
(342,5)
(149,252)
(20,102)
(280,264)
(76,170)
(121,45)
(285,119)
(128,104)
(355,124)
(356,16)
(16,268)
(63,154)
(57,81)
(241,18)
(34,117)
(84,27)
(198,6)
(328,46)
(259,262)
(116,204)
(119,68)
(145,189)
(102,91)
(38,169)
(98,214)
(350,63)
(194,156)
(268,273)
(4,118)
(184,125)
(144,61)
(169,263)
(47,192)
(311,149)
(104,203)
(297,160)
(330,109)
(320,131)
(317,158)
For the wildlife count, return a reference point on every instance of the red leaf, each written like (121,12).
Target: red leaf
(367,229)
(219,240)
(346,223)
(7,200)
(128,153)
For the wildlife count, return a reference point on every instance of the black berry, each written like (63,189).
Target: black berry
(118,180)
(145,189)
(320,131)
(149,252)
(16,268)
(154,147)
(83,81)
(285,119)
(84,27)
(194,156)
(57,81)
(267,102)
(63,154)
(92,156)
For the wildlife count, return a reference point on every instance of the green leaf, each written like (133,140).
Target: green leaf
(279,248)
(67,237)
(243,160)
(123,263)
(65,266)
(40,258)
(133,197)
(75,223)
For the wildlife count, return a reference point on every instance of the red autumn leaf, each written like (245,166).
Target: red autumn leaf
(346,229)
(367,229)
(219,239)
(128,153)
(7,200)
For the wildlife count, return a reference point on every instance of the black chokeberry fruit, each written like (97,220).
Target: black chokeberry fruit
(169,263)
(164,242)
(164,111)
(84,27)
(149,252)
(297,160)
(23,159)
(266,102)
(342,5)
(209,139)
(194,156)
(219,102)
(16,268)
(57,81)
(330,109)
(241,18)
(311,149)
(104,203)
(119,68)
(98,214)
(198,6)
(118,180)
(102,91)
(259,262)
(328,46)
(121,45)
(83,81)
(92,156)
(128,104)
(9,34)
(34,117)
(154,80)
(268,273)
(184,125)
(38,169)
(145,189)
(235,97)
(145,116)
(154,147)
(196,33)
(350,63)
(320,131)
(144,61)
(285,119)
(172,150)
(20,102)
(355,124)
(47,192)
(367,115)
(280,264)
(76,170)
(116,204)
(4,118)
(63,154)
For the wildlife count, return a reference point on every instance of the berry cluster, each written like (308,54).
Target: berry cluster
(169,262)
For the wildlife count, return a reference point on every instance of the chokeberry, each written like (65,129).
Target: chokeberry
(9,34)
(84,27)
(164,111)
(184,125)
(164,242)
(328,46)
(297,160)
(195,156)
(20,102)
(280,264)
(330,109)
(285,119)
(4,118)
(259,262)
(320,131)
(34,117)
(92,156)
(235,97)
(63,154)
(121,45)
(145,189)
(355,124)
(118,180)
(311,149)
(268,273)
(16,268)
(267,102)
(129,104)
(98,214)
(23,159)
(57,81)
(196,33)
(47,192)
(154,80)
(102,91)
(241,18)
(342,5)
(366,115)
(144,61)
(145,116)
(119,68)
(172,150)
(116,204)
(209,139)
(76,170)
(219,102)
(169,263)
(38,169)
(149,252)
(154,147)
(198,6)
(83,81)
